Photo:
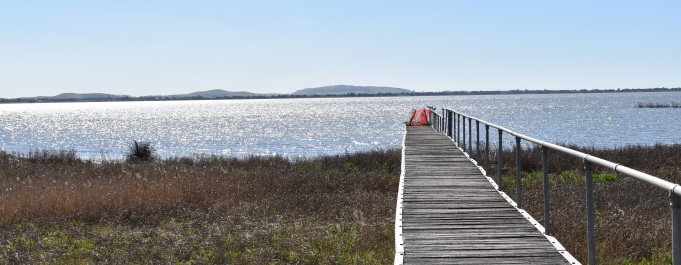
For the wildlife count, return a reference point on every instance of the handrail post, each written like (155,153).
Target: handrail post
(477,141)
(459,129)
(518,181)
(464,133)
(454,127)
(500,158)
(443,121)
(470,137)
(545,169)
(455,132)
(676,227)
(487,149)
(446,118)
(590,213)
(449,123)
(439,123)
(435,120)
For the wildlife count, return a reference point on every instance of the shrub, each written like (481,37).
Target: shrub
(140,152)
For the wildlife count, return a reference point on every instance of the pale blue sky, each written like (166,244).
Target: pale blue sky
(172,47)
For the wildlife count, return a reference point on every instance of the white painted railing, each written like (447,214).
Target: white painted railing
(453,124)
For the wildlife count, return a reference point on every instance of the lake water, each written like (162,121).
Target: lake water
(309,127)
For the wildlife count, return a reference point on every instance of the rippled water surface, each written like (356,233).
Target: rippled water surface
(295,127)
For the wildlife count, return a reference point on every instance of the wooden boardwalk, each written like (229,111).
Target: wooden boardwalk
(453,215)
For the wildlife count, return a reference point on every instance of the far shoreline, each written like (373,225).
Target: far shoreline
(349,95)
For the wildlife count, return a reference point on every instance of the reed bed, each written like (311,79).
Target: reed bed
(56,208)
(633,219)
(657,105)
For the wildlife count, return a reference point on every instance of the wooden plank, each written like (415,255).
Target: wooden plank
(451,214)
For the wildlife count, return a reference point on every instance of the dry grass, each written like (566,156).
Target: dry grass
(347,199)
(633,219)
(55,208)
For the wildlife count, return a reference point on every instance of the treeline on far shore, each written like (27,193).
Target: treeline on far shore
(285,96)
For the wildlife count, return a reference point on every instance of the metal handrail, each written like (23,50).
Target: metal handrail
(453,124)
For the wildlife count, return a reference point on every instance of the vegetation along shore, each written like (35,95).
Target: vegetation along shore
(657,105)
(57,208)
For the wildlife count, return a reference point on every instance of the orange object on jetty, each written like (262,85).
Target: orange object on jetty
(419,117)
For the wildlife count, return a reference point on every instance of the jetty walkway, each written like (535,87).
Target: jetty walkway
(450,210)
(452,214)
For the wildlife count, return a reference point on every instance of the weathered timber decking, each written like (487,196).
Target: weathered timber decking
(453,215)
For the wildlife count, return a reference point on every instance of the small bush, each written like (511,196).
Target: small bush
(570,175)
(140,152)
(604,176)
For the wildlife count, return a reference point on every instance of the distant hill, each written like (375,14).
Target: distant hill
(339,90)
(218,93)
(67,96)
(327,91)
(343,90)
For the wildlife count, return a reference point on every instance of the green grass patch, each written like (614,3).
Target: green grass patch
(528,179)
(581,179)
(196,241)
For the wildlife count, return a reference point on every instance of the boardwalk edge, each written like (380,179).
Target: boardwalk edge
(554,241)
(399,241)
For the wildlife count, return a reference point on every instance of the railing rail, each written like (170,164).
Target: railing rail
(453,124)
